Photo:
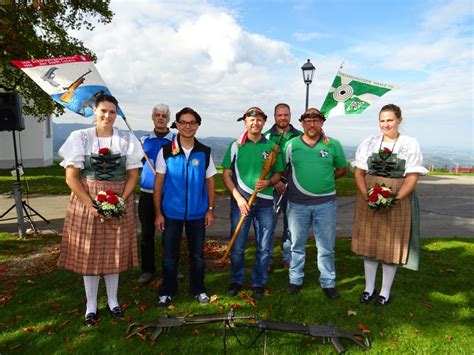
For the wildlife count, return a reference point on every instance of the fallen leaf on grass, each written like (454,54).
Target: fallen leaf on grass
(75,311)
(31,282)
(214,298)
(4,299)
(234,305)
(143,307)
(171,307)
(16,346)
(417,330)
(4,268)
(244,295)
(393,343)
(427,305)
(381,334)
(449,337)
(28,329)
(410,314)
(196,332)
(351,312)
(267,292)
(251,301)
(364,328)
(56,305)
(67,321)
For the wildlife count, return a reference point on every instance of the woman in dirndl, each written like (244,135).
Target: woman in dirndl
(388,235)
(98,159)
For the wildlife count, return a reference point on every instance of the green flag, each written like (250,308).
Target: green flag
(350,95)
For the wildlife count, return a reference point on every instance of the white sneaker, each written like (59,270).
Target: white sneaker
(164,301)
(202,298)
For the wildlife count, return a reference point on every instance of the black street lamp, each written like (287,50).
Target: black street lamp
(308,72)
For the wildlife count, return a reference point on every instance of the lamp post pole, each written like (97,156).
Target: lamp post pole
(308,72)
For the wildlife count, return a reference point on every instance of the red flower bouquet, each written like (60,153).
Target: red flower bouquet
(381,196)
(109,204)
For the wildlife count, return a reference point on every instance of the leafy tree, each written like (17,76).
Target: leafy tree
(39,29)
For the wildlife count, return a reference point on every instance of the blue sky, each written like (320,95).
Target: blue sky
(221,57)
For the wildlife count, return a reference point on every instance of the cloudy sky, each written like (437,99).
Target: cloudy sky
(222,56)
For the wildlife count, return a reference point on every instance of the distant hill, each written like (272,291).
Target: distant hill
(438,157)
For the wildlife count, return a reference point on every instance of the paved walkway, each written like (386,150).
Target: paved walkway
(447,210)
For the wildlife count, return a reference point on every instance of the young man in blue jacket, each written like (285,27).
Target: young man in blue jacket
(184,197)
(152,144)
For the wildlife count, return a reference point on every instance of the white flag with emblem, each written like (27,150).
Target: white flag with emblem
(73,82)
(350,95)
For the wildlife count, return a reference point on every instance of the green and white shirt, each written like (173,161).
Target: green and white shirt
(246,162)
(311,170)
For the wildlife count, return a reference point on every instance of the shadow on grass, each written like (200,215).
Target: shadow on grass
(431,309)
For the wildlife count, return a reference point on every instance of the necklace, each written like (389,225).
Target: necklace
(382,153)
(98,141)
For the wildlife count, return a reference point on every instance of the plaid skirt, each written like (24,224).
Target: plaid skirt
(384,235)
(92,247)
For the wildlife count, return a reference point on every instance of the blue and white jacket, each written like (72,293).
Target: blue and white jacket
(185,195)
(152,145)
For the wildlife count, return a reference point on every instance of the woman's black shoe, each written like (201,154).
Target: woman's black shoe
(382,301)
(91,320)
(116,313)
(366,298)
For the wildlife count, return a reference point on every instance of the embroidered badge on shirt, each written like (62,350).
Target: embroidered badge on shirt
(323,153)
(264,155)
(195,162)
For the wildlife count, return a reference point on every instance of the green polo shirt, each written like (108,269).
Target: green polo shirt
(311,171)
(274,135)
(246,162)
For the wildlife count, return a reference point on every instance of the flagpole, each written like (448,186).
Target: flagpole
(141,143)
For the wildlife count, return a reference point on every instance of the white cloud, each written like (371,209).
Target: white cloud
(153,53)
(304,36)
(452,13)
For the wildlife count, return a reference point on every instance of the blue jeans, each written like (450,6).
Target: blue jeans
(171,239)
(323,220)
(285,238)
(262,218)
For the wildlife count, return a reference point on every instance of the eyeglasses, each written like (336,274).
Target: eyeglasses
(309,122)
(157,114)
(187,124)
(312,115)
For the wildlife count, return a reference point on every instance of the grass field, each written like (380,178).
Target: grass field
(41,307)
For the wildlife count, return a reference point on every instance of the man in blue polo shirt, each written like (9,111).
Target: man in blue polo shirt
(152,144)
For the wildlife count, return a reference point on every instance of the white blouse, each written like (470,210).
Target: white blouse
(406,148)
(84,142)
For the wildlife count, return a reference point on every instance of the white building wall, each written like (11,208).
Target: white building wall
(34,145)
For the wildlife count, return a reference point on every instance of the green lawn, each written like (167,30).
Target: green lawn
(41,308)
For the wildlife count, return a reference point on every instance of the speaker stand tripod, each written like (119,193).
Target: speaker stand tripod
(20,205)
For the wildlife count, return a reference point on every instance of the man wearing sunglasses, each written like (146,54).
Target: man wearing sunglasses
(315,161)
(152,144)
(243,164)
(282,127)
